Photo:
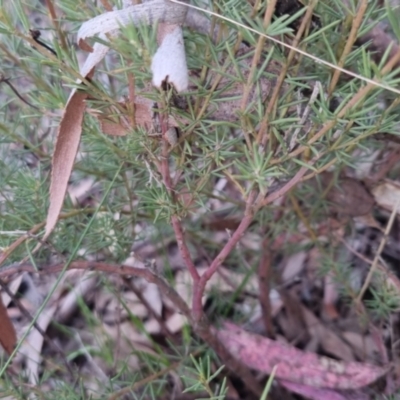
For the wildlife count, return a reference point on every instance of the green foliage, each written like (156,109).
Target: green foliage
(202,377)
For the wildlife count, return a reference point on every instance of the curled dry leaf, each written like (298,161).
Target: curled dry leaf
(294,365)
(8,337)
(146,13)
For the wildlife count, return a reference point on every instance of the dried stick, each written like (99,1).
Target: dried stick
(257,55)
(7,252)
(359,96)
(123,270)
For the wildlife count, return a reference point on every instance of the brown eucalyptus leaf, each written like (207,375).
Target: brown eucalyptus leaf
(68,139)
(263,354)
(66,147)
(8,337)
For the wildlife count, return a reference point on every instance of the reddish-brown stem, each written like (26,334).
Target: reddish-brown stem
(285,188)
(176,224)
(106,4)
(198,289)
(56,24)
(132,97)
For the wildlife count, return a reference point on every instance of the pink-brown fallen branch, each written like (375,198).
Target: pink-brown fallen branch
(263,354)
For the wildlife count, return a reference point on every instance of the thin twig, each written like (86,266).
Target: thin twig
(350,40)
(7,82)
(359,96)
(123,270)
(56,24)
(150,309)
(13,246)
(257,55)
(285,188)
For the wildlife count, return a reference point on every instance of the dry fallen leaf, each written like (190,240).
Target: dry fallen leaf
(263,354)
(387,194)
(8,337)
(67,142)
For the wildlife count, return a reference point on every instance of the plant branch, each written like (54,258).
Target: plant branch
(176,224)
(350,40)
(286,187)
(198,289)
(11,86)
(56,23)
